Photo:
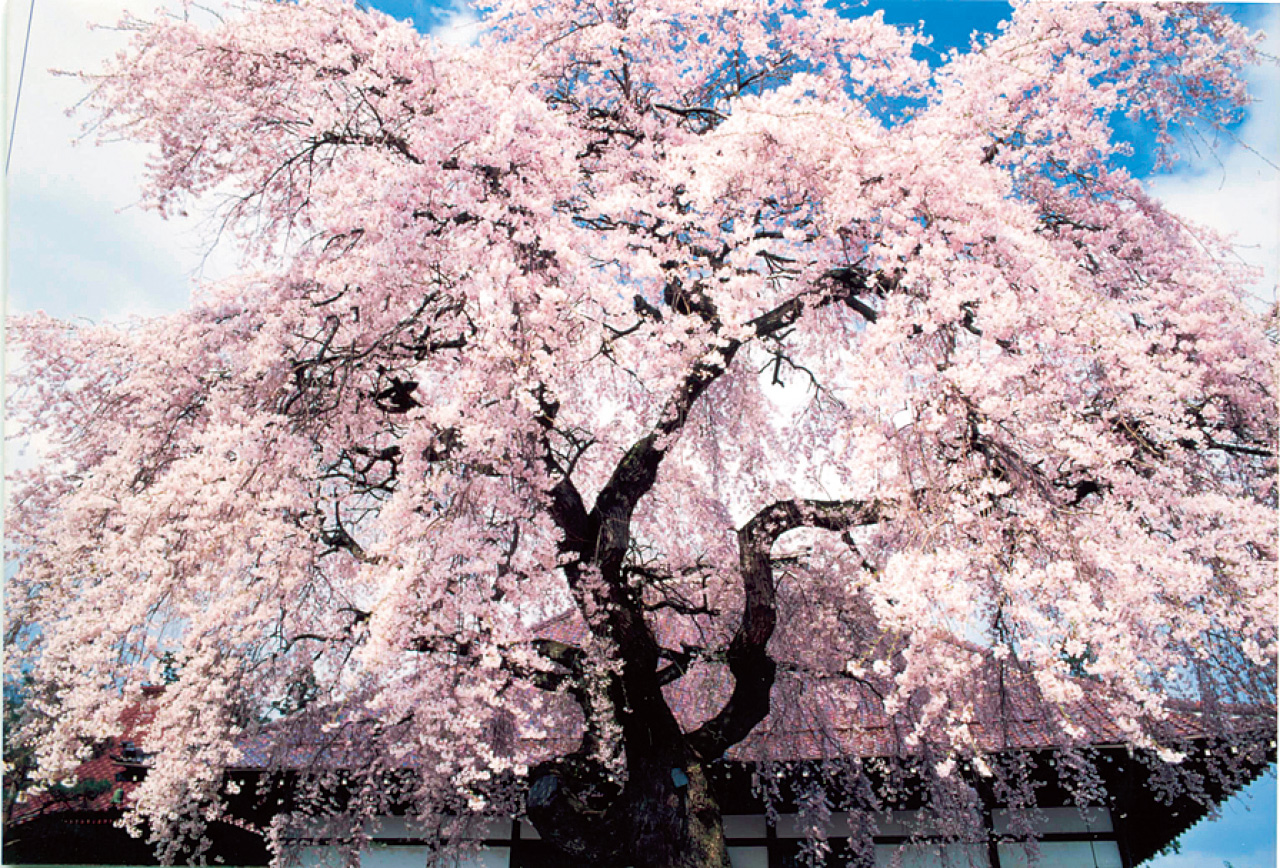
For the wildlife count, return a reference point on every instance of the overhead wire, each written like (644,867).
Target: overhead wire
(17,98)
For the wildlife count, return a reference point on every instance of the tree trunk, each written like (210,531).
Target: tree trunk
(665,817)
(676,821)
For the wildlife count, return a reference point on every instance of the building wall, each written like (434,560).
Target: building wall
(1070,839)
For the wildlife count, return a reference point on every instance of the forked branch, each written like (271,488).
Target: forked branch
(748,657)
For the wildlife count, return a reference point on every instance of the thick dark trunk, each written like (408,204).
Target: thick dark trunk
(677,823)
(665,817)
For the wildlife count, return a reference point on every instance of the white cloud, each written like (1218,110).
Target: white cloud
(78,244)
(459,25)
(1234,188)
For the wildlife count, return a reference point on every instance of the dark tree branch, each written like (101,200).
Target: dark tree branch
(600,539)
(692,111)
(680,662)
(748,657)
(573,804)
(384,140)
(636,473)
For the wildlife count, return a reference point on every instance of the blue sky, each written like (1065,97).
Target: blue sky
(77,246)
(1244,835)
(69,206)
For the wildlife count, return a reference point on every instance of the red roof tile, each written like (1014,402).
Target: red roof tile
(832,715)
(109,765)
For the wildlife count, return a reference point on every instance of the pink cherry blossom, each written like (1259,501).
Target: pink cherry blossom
(644,379)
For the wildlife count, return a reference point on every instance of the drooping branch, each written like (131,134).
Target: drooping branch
(636,473)
(572,800)
(749,662)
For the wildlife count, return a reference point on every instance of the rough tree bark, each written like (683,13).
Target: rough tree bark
(665,815)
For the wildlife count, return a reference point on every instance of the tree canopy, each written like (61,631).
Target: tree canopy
(731,335)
